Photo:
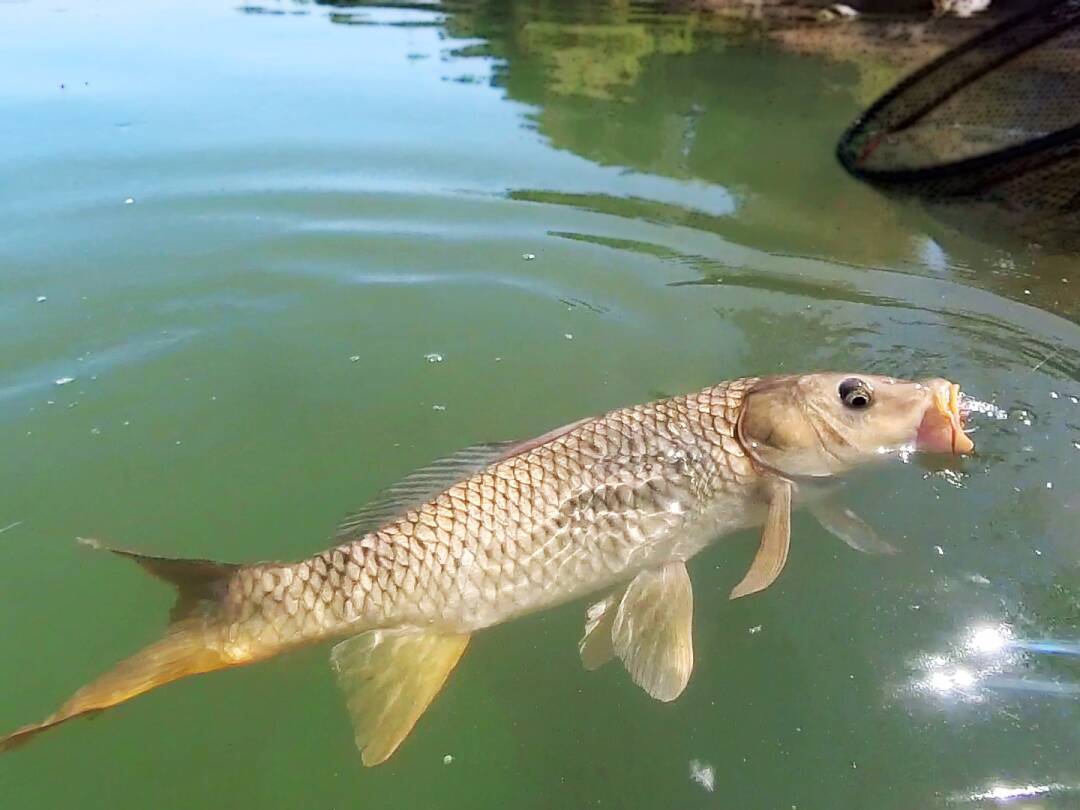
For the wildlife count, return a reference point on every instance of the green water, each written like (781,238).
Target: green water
(253,224)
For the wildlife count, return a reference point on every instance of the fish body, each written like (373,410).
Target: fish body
(573,515)
(613,506)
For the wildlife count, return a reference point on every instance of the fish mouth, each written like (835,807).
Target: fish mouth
(942,426)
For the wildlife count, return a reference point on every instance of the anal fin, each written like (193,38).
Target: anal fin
(390,678)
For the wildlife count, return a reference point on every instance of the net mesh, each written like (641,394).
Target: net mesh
(995,121)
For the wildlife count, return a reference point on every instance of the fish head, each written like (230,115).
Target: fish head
(825,424)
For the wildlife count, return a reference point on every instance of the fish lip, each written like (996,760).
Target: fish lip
(942,427)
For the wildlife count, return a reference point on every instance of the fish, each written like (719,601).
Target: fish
(611,507)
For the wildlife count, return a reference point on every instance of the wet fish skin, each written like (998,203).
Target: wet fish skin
(613,505)
(564,519)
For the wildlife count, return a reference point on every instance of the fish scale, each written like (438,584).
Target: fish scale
(578,513)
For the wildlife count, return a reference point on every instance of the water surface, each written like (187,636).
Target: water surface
(252,225)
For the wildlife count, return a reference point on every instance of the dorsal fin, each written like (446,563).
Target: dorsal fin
(421,485)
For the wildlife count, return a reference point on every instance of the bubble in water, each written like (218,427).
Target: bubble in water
(433,357)
(970,405)
(41,299)
(64,380)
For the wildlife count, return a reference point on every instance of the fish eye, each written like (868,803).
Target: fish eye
(855,394)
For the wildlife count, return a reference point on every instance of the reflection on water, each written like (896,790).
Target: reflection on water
(724,110)
(1021,797)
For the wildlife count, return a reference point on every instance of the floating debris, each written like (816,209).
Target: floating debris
(528,256)
(95,431)
(354,358)
(755,629)
(568,336)
(433,357)
(703,774)
(438,407)
(11,526)
(940,551)
(41,299)
(64,380)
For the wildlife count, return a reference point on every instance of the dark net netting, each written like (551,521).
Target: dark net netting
(991,129)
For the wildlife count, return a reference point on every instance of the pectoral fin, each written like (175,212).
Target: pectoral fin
(651,630)
(773,551)
(595,646)
(849,527)
(389,678)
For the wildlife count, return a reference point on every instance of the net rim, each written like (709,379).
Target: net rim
(866,127)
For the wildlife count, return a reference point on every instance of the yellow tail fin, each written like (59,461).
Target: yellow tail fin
(188,647)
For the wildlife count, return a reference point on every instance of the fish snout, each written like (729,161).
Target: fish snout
(942,426)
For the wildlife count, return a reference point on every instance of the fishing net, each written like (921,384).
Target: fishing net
(992,127)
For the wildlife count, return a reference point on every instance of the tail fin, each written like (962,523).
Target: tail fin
(188,647)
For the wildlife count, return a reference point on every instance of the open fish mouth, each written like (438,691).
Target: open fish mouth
(942,426)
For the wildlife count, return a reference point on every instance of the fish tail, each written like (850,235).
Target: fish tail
(190,646)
